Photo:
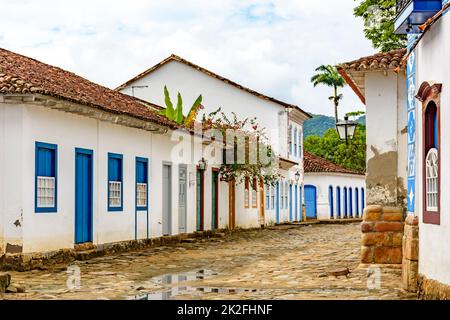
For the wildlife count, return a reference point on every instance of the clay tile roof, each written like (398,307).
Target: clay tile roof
(23,75)
(174,57)
(383,61)
(315,164)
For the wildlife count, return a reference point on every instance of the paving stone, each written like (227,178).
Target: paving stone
(263,264)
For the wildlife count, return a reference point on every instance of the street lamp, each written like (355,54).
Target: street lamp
(346,129)
(297,176)
(202,164)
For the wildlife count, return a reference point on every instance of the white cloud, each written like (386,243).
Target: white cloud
(269,46)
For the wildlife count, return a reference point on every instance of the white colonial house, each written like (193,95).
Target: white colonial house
(81,163)
(331,191)
(406,92)
(283,121)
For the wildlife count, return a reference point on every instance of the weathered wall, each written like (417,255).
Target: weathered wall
(386,160)
(324,180)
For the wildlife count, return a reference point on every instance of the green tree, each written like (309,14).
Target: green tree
(378,16)
(329,76)
(330,147)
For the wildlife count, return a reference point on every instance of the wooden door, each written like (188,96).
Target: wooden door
(232,204)
(262,205)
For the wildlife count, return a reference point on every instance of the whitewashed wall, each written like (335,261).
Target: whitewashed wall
(191,83)
(386,137)
(322,181)
(432,65)
(23,125)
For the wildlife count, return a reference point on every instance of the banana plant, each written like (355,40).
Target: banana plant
(176,114)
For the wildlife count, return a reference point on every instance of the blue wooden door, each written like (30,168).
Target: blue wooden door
(300,206)
(296,203)
(290,203)
(311,201)
(278,202)
(83,195)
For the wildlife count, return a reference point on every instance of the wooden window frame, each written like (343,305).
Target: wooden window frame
(430,92)
(255,194)
(247,193)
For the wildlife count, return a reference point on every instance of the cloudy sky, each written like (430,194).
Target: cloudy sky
(270,46)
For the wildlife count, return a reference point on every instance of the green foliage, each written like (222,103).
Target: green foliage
(318,125)
(330,147)
(329,76)
(177,114)
(378,16)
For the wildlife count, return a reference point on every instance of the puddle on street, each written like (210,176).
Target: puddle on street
(175,281)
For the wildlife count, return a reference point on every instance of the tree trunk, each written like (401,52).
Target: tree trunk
(336,103)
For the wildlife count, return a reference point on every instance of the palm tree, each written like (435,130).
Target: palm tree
(329,76)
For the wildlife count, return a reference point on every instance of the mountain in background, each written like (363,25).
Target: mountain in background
(319,124)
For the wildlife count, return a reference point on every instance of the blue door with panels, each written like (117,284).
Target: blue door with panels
(311,201)
(296,203)
(141,211)
(83,195)
(290,203)
(300,196)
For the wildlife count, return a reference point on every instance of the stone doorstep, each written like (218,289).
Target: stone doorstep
(381,266)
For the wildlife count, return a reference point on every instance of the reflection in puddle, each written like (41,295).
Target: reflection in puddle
(175,281)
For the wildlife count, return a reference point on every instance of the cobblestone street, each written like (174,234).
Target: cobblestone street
(285,262)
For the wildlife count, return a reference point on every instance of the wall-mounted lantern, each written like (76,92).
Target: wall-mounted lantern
(202,164)
(297,176)
(346,129)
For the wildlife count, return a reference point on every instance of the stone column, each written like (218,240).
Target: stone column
(410,265)
(382,234)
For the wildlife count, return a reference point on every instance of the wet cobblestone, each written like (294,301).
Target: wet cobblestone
(286,262)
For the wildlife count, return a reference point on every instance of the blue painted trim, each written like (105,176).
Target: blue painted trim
(363,199)
(90,153)
(296,202)
(278,202)
(141,160)
(338,204)
(290,202)
(345,202)
(137,208)
(116,156)
(357,201)
(54,147)
(350,200)
(301,204)
(331,200)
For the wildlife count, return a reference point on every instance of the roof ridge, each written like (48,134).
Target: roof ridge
(314,163)
(174,57)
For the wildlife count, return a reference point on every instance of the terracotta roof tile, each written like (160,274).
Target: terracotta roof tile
(315,164)
(383,61)
(23,75)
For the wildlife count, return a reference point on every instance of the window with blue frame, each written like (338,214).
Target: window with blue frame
(115,182)
(272,195)
(141,183)
(299,143)
(46,156)
(295,142)
(290,139)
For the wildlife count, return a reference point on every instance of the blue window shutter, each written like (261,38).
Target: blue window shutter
(46,156)
(141,170)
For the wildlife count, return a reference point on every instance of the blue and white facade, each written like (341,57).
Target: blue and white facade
(428,75)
